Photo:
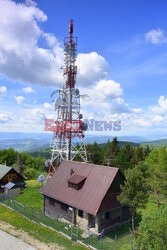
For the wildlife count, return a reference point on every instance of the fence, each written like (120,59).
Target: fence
(72,232)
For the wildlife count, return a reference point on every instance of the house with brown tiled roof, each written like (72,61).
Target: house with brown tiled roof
(85,194)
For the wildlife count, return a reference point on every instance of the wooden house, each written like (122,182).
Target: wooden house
(10,181)
(85,194)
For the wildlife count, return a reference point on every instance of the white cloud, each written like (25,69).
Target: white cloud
(158,118)
(105,97)
(3,89)
(21,57)
(91,68)
(47,105)
(156,36)
(161,107)
(19,99)
(4,117)
(107,89)
(28,90)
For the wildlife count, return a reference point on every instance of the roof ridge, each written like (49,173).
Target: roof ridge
(94,165)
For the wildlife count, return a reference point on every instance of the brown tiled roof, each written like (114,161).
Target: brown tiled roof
(89,198)
(76,179)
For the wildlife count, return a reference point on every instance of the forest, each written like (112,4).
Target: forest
(145,171)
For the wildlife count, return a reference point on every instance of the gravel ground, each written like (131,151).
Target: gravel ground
(8,242)
(24,237)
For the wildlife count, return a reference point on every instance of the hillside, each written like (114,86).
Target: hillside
(156,143)
(39,141)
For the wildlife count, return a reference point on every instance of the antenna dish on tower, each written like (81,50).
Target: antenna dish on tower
(47,163)
(77,92)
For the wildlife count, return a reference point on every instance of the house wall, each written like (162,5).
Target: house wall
(55,210)
(82,222)
(109,218)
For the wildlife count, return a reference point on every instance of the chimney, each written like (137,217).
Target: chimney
(72,171)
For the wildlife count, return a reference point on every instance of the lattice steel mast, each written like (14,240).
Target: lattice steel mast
(69,124)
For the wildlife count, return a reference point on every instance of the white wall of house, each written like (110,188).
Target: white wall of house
(82,221)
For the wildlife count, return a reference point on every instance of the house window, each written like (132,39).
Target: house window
(80,213)
(64,206)
(107,215)
(52,202)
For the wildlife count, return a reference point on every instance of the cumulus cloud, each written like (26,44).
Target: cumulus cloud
(31,119)
(47,105)
(91,68)
(19,99)
(4,117)
(161,107)
(3,89)
(107,89)
(28,90)
(105,98)
(21,57)
(156,36)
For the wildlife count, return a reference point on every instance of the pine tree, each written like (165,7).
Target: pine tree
(134,193)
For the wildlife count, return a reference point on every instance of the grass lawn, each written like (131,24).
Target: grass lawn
(31,195)
(123,238)
(39,232)
(152,205)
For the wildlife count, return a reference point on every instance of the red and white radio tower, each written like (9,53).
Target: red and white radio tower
(69,124)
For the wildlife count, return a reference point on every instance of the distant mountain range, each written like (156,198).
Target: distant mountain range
(157,143)
(36,141)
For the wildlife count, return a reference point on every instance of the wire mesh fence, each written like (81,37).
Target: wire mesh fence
(73,232)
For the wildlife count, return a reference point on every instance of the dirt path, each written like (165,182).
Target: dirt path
(25,237)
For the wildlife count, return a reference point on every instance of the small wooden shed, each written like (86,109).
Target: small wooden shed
(10,181)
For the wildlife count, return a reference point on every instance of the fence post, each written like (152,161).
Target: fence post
(32,213)
(88,235)
(24,209)
(71,231)
(131,238)
(77,232)
(101,240)
(115,242)
(40,216)
(14,204)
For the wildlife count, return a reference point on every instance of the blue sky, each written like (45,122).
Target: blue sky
(122,62)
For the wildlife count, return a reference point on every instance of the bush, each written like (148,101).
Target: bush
(152,232)
(30,173)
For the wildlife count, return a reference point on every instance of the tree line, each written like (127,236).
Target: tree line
(24,163)
(145,172)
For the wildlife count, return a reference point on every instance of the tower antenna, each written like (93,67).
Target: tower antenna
(69,123)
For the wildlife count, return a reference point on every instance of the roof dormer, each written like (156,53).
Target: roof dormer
(76,181)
